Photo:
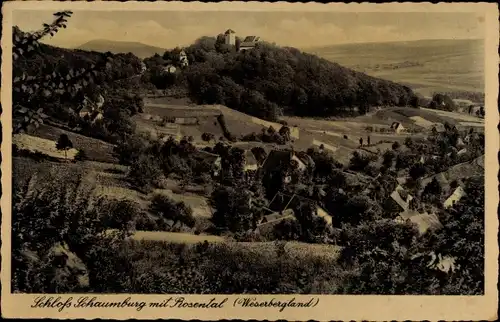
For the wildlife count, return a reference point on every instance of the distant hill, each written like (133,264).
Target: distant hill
(426,66)
(116,47)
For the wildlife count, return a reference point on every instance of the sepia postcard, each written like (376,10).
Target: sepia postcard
(245,160)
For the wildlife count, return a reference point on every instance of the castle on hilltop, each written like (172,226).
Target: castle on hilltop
(248,43)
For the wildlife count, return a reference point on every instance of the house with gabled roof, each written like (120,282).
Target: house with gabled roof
(454,197)
(287,158)
(270,219)
(183,59)
(214,159)
(282,202)
(249,43)
(424,221)
(401,198)
(251,163)
(397,127)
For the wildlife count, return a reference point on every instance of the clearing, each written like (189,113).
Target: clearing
(36,144)
(94,149)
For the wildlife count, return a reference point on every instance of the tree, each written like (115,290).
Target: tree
(64,143)
(207,137)
(285,133)
(432,191)
(388,157)
(145,172)
(233,210)
(168,209)
(32,91)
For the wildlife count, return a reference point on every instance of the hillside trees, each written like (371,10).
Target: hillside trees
(232,209)
(442,102)
(268,81)
(32,92)
(463,237)
(380,253)
(51,81)
(170,210)
(56,216)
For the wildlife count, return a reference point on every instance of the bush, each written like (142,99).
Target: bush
(168,209)
(81,155)
(145,173)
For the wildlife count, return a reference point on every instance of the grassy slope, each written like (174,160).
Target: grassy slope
(264,248)
(112,185)
(95,149)
(446,65)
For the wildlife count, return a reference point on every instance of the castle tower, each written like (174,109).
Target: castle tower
(230,37)
(183,60)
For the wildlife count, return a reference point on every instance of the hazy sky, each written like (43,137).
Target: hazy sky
(168,29)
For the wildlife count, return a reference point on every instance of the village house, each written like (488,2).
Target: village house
(143,67)
(460,143)
(439,127)
(287,158)
(423,221)
(211,158)
(251,163)
(282,202)
(169,69)
(92,110)
(397,127)
(400,199)
(268,221)
(454,198)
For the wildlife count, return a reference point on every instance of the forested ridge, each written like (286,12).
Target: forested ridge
(268,81)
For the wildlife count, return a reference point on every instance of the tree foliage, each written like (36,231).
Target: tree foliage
(268,80)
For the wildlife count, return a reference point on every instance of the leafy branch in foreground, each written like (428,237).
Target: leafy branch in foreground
(31,93)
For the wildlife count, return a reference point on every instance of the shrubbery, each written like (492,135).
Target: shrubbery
(168,209)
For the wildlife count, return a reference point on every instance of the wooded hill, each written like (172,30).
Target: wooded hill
(270,80)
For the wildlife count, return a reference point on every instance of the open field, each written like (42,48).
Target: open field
(309,132)
(48,147)
(198,204)
(455,116)
(110,180)
(427,66)
(95,149)
(182,238)
(296,249)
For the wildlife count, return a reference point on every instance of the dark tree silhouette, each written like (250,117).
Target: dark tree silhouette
(64,144)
